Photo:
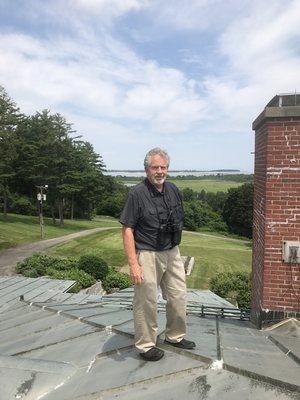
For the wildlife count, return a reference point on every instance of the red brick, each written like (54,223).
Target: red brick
(276,212)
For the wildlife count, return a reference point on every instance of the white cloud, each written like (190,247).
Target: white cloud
(262,62)
(264,33)
(107,80)
(120,99)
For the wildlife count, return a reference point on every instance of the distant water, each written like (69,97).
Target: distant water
(140,173)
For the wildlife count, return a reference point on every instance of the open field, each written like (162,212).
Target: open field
(212,254)
(25,229)
(209,185)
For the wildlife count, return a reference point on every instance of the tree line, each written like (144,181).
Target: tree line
(42,149)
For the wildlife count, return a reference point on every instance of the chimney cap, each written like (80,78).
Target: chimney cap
(285,100)
(281,106)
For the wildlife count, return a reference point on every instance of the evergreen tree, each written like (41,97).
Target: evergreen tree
(10,117)
(45,154)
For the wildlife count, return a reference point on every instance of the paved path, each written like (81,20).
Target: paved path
(10,257)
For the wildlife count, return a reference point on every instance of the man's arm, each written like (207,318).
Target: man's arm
(136,272)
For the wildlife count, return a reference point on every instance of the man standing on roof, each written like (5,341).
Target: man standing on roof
(152,222)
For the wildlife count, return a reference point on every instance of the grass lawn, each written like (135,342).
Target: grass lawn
(212,254)
(107,244)
(25,229)
(209,185)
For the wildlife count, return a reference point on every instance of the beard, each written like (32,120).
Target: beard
(159,181)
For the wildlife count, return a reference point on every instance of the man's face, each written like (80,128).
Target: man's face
(157,171)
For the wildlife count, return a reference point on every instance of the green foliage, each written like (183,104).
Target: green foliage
(235,285)
(118,280)
(238,210)
(10,117)
(93,265)
(113,201)
(215,200)
(198,214)
(34,265)
(22,205)
(30,273)
(83,279)
(56,268)
(204,209)
(112,270)
(188,194)
(62,264)
(38,265)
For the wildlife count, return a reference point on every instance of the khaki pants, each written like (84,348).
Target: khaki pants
(164,269)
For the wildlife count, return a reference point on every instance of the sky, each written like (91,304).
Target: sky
(189,76)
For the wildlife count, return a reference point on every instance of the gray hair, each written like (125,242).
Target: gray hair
(154,152)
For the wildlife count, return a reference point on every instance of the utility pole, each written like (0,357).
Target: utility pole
(41,196)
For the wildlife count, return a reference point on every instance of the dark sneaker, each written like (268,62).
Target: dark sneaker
(153,354)
(183,344)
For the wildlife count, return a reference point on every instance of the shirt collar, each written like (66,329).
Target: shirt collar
(153,190)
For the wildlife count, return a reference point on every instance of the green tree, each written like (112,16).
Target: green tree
(188,194)
(48,154)
(44,154)
(91,180)
(216,200)
(199,214)
(10,118)
(114,199)
(238,210)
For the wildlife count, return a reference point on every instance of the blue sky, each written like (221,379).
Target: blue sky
(188,76)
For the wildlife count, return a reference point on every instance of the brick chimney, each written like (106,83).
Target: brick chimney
(276,219)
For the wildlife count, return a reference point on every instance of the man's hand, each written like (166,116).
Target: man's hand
(136,273)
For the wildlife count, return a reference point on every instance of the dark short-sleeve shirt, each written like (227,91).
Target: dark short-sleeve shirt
(146,209)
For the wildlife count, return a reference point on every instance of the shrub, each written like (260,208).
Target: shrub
(118,280)
(37,264)
(22,205)
(31,273)
(56,268)
(237,285)
(93,265)
(83,279)
(63,264)
(112,270)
